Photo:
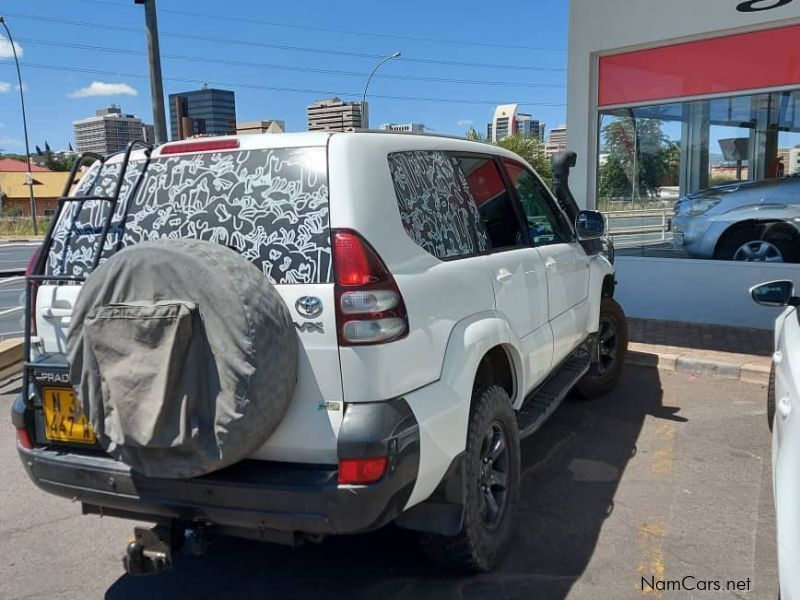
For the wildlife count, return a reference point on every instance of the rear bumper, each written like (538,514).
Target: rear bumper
(253,498)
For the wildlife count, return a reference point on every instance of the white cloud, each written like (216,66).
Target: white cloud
(4,87)
(24,87)
(100,88)
(464,122)
(5,48)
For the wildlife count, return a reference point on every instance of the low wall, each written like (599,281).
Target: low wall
(697,291)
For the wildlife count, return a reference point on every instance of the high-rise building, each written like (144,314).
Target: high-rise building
(149,134)
(206,111)
(108,131)
(403,127)
(333,114)
(557,141)
(263,126)
(509,121)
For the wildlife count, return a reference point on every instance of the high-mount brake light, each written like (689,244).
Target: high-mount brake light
(199,146)
(369,306)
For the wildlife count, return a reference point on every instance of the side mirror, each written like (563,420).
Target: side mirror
(775,294)
(590,225)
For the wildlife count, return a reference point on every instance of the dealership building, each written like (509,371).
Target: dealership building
(672,98)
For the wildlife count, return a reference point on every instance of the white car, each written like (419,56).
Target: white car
(419,304)
(783,402)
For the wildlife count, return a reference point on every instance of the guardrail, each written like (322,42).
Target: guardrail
(640,222)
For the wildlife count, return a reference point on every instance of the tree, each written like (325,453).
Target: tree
(472,134)
(532,150)
(640,159)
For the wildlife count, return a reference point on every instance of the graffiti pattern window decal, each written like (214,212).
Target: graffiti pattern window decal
(271,206)
(436,206)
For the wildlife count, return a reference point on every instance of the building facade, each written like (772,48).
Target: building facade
(333,114)
(711,95)
(557,141)
(403,127)
(509,121)
(48,186)
(108,131)
(207,111)
(262,126)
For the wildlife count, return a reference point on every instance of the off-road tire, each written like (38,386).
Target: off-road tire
(599,382)
(478,546)
(771,398)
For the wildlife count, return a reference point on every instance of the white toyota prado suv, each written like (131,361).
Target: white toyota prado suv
(288,336)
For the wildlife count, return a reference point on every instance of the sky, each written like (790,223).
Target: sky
(458,60)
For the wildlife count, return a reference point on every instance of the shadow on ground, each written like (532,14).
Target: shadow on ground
(572,468)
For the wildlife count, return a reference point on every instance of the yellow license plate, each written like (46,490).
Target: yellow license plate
(64,419)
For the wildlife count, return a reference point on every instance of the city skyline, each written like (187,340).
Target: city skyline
(277,63)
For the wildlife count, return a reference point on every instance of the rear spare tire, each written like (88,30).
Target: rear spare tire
(183,355)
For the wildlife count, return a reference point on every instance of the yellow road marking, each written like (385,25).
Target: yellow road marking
(651,536)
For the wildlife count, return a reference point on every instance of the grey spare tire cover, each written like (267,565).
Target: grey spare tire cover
(183,355)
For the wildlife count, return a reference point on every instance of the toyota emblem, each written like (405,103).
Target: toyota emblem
(309,306)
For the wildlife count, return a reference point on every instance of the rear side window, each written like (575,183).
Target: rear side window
(271,206)
(436,205)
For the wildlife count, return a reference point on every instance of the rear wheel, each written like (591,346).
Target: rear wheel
(492,487)
(613,346)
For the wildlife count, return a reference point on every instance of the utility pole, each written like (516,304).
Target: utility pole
(29,174)
(154,59)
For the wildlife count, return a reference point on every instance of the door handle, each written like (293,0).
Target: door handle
(503,275)
(550,263)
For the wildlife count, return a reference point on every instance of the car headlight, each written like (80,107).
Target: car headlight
(692,208)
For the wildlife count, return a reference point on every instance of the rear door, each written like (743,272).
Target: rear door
(565,261)
(272,206)
(516,269)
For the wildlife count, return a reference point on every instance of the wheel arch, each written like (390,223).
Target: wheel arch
(767,227)
(442,408)
(497,368)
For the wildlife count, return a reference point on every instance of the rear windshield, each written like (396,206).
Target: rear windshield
(269,205)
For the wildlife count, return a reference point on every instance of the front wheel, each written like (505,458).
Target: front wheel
(613,347)
(492,473)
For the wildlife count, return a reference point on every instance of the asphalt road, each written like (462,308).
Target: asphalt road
(667,477)
(12,256)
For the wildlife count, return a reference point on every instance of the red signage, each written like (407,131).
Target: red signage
(733,63)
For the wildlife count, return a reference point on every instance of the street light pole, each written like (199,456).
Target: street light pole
(29,181)
(366,87)
(156,83)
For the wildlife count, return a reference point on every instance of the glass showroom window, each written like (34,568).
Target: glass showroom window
(709,179)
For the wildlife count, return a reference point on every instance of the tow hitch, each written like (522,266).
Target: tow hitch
(152,550)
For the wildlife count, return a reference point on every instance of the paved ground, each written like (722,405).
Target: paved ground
(668,477)
(12,256)
(732,352)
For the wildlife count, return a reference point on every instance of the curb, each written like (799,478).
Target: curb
(753,370)
(10,357)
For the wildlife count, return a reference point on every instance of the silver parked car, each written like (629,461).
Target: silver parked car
(747,221)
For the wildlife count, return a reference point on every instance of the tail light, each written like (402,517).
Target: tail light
(355,471)
(369,306)
(30,269)
(24,438)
